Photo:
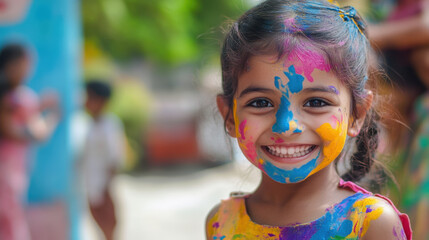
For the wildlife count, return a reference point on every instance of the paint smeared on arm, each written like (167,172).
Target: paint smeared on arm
(381,220)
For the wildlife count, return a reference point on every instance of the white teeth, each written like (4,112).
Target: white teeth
(288,152)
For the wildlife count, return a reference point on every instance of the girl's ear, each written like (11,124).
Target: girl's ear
(227,114)
(362,109)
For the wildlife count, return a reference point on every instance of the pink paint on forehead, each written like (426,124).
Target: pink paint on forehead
(308,60)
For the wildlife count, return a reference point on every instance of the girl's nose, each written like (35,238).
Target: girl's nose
(295,127)
(287,127)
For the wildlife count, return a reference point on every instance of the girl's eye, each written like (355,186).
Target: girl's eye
(260,103)
(315,103)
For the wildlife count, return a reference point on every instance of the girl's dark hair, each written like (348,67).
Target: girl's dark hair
(8,54)
(282,26)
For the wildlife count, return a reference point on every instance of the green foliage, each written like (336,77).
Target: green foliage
(167,31)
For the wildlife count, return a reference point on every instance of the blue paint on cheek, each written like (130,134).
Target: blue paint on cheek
(283,116)
(295,80)
(289,176)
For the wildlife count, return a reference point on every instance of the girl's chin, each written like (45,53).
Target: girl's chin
(289,161)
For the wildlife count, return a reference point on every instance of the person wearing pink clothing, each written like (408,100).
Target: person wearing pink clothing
(21,123)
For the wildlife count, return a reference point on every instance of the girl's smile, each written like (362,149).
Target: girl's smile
(290,121)
(289,154)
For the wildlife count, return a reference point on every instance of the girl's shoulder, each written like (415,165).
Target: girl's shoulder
(381,217)
(234,204)
(387,221)
(231,208)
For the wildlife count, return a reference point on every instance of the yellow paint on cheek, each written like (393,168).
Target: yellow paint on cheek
(364,211)
(336,138)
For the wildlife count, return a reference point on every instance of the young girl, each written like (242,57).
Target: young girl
(295,81)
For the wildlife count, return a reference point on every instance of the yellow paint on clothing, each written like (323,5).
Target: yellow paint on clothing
(231,221)
(234,223)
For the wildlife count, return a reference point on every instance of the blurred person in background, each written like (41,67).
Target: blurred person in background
(102,156)
(404,40)
(23,120)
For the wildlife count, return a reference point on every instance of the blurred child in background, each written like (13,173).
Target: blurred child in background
(21,123)
(103,154)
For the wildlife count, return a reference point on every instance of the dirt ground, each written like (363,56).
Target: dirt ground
(172,204)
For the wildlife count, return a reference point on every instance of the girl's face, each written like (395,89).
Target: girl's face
(17,71)
(291,117)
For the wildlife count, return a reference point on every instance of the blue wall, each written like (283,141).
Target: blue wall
(52,31)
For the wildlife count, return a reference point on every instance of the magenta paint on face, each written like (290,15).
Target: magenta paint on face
(241,129)
(277,140)
(335,119)
(249,146)
(251,151)
(308,60)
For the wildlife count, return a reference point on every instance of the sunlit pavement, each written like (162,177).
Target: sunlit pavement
(172,205)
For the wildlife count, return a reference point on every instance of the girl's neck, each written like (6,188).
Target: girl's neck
(321,183)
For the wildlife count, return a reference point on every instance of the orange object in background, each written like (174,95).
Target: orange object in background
(172,144)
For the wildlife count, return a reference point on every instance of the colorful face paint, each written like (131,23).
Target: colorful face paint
(290,83)
(307,59)
(334,89)
(288,176)
(284,116)
(246,145)
(335,139)
(348,219)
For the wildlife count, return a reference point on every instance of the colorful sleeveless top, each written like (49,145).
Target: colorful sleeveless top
(348,219)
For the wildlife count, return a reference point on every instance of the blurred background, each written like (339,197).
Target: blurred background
(159,61)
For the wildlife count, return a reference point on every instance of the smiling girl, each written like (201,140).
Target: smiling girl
(296,97)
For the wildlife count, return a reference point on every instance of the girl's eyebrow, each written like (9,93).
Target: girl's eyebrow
(321,89)
(251,89)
